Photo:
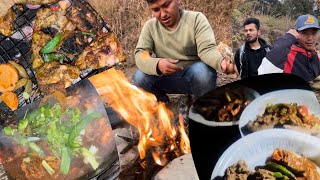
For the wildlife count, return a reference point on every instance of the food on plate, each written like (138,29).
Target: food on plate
(282,164)
(8,77)
(10,99)
(7,23)
(55,142)
(285,115)
(223,105)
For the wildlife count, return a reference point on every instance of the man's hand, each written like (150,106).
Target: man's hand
(294,33)
(228,67)
(168,66)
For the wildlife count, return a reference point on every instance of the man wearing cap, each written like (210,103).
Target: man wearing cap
(295,52)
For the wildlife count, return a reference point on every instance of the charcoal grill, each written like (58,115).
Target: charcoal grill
(18,47)
(12,48)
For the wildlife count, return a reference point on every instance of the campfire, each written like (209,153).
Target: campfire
(159,136)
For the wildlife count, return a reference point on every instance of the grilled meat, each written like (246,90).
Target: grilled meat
(47,18)
(73,43)
(35,2)
(54,76)
(239,171)
(85,17)
(39,39)
(299,163)
(105,51)
(6,23)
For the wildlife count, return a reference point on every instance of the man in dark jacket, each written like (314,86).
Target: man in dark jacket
(249,56)
(295,52)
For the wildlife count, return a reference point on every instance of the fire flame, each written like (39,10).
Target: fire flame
(141,109)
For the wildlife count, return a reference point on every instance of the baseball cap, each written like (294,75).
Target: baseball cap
(306,21)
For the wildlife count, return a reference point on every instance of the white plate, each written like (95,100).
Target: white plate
(257,147)
(258,105)
(248,93)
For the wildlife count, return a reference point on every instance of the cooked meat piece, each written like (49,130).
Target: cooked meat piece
(290,159)
(261,174)
(105,51)
(74,43)
(48,18)
(39,39)
(54,76)
(36,1)
(85,17)
(35,170)
(7,23)
(239,171)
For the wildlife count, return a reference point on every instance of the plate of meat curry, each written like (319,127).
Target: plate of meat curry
(290,109)
(222,106)
(270,154)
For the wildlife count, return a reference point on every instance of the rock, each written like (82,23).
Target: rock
(180,168)
(130,156)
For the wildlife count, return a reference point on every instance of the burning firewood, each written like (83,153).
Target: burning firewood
(161,139)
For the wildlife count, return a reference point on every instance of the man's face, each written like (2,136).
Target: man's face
(251,33)
(167,12)
(308,38)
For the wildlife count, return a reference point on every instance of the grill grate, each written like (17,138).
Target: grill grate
(18,47)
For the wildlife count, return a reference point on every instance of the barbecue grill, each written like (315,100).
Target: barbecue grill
(18,47)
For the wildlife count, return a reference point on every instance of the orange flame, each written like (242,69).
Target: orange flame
(141,109)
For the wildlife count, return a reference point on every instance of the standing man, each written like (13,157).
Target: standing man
(295,52)
(177,52)
(249,56)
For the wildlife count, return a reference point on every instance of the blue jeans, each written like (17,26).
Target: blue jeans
(197,80)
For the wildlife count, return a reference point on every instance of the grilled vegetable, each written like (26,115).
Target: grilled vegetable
(51,45)
(22,82)
(52,57)
(27,89)
(279,168)
(277,175)
(22,72)
(8,77)
(10,99)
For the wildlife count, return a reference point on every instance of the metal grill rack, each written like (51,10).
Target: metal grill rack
(20,51)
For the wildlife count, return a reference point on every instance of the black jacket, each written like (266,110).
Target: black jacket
(287,56)
(252,59)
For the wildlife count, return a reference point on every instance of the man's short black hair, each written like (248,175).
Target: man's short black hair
(254,21)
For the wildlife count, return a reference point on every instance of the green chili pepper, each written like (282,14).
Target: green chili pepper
(52,57)
(277,175)
(279,168)
(51,45)
(79,127)
(27,89)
